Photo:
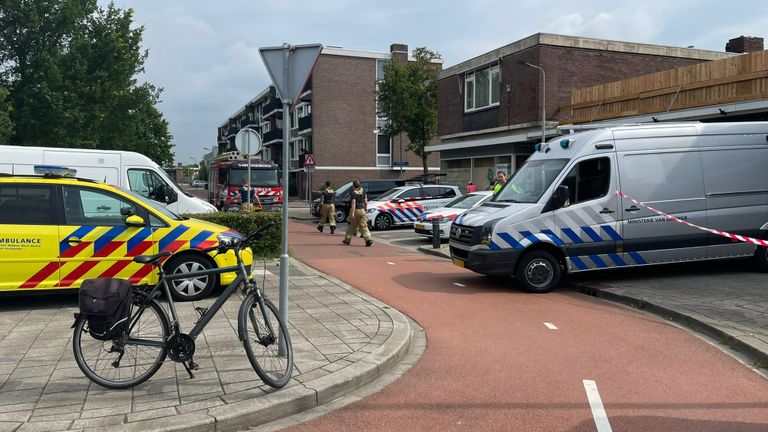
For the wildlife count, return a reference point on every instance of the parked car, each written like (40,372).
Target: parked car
(373,188)
(403,205)
(198,183)
(449,212)
(56,231)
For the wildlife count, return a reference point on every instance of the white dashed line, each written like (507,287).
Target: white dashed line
(390,263)
(459,285)
(596,404)
(551,326)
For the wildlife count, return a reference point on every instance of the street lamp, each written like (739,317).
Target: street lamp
(543,97)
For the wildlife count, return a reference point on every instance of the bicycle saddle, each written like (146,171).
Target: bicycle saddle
(151,259)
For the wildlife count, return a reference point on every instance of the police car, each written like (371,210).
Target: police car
(57,230)
(403,205)
(447,214)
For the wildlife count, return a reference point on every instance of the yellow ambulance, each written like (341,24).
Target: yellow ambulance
(57,230)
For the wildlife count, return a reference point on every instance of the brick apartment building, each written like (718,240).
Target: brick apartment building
(489,112)
(335,120)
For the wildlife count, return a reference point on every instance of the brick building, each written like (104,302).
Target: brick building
(489,112)
(335,120)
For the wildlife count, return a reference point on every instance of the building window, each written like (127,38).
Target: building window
(298,146)
(266,154)
(383,150)
(481,88)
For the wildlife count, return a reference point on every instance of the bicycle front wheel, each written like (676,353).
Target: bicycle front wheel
(263,347)
(116,364)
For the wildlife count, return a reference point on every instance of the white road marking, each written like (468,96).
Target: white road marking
(390,263)
(551,326)
(596,404)
(458,284)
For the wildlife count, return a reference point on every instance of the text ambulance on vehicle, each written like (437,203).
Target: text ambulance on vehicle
(56,231)
(227,177)
(562,211)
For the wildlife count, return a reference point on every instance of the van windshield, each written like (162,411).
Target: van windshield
(259,177)
(529,183)
(466,201)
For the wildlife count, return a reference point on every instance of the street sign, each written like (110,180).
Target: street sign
(309,160)
(290,66)
(309,168)
(248,141)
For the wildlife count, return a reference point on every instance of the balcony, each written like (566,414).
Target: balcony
(719,82)
(305,125)
(249,123)
(274,107)
(274,135)
(233,130)
(306,95)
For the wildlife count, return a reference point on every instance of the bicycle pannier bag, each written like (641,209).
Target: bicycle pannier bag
(106,303)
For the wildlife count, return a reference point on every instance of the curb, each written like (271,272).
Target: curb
(299,397)
(435,252)
(693,321)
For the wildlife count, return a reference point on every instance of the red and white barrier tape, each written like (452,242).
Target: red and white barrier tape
(709,230)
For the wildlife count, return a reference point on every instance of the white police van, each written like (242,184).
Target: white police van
(403,205)
(562,212)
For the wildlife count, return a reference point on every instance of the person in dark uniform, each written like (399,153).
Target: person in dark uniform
(358,219)
(328,212)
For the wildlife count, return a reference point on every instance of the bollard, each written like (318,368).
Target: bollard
(436,233)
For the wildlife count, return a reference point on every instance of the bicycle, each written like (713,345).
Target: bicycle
(138,352)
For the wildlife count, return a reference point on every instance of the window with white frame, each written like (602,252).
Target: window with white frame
(298,146)
(481,88)
(383,150)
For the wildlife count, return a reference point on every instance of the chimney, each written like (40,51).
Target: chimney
(744,44)
(399,53)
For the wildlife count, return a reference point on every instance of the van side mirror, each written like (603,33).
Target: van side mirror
(134,221)
(561,198)
(171,196)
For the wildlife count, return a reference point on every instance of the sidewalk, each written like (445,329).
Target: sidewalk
(725,300)
(342,339)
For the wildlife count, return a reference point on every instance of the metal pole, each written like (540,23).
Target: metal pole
(248,156)
(284,262)
(543,103)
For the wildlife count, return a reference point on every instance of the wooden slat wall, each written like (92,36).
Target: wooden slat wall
(733,79)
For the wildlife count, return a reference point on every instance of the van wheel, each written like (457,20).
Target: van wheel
(193,288)
(538,272)
(761,258)
(340,215)
(383,222)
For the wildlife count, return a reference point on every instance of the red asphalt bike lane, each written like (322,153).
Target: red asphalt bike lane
(492,365)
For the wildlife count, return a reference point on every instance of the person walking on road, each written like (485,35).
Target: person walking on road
(358,219)
(328,213)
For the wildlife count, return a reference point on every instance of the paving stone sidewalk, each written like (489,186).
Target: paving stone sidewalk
(341,337)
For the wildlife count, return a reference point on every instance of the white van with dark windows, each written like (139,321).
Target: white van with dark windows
(561,211)
(129,170)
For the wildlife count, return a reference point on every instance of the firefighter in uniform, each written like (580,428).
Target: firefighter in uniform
(358,220)
(328,213)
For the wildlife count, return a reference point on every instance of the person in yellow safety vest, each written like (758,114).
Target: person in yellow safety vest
(358,219)
(501,180)
(328,213)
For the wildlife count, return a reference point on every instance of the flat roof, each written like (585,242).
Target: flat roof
(582,43)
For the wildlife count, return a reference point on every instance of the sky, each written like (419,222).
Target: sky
(204,53)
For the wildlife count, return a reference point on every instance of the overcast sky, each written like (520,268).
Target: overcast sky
(205,53)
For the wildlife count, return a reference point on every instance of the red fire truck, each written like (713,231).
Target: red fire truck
(226,179)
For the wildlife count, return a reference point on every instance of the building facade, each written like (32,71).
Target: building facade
(490,107)
(335,120)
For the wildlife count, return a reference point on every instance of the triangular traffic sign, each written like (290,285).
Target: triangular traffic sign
(309,160)
(301,59)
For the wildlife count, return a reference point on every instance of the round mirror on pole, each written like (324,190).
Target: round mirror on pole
(248,141)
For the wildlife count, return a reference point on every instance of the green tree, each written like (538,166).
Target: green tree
(408,98)
(6,127)
(71,68)
(203,172)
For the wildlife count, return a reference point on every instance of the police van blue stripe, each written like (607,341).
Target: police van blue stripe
(578,263)
(572,235)
(617,259)
(494,246)
(611,232)
(529,236)
(638,259)
(598,261)
(510,240)
(592,234)
(555,239)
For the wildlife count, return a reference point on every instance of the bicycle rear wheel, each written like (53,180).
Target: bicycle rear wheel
(262,346)
(117,365)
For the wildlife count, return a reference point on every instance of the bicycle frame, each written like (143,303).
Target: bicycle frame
(210,312)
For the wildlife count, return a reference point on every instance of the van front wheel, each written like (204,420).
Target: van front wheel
(538,272)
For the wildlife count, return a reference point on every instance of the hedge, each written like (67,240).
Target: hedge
(245,223)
